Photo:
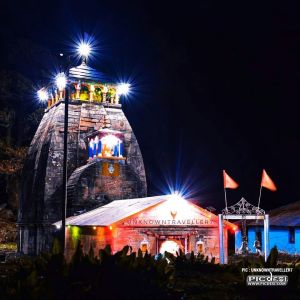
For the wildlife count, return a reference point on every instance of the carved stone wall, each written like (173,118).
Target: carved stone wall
(40,201)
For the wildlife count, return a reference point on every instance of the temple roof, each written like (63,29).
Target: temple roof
(84,72)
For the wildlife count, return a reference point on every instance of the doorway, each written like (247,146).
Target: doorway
(171,244)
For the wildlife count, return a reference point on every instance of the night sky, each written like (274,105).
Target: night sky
(215,86)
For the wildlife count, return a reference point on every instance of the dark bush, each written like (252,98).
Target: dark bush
(130,275)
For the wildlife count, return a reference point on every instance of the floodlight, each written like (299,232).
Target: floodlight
(61,81)
(84,49)
(123,89)
(42,95)
(176,196)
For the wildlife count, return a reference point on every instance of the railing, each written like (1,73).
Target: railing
(96,93)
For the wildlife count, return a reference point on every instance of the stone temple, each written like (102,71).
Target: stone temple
(104,158)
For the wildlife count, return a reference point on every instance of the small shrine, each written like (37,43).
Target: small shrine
(151,224)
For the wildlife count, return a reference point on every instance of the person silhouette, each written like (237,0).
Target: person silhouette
(257,247)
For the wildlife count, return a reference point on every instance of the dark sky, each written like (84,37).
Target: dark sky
(216,86)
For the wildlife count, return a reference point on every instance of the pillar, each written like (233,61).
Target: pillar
(266,236)
(105,90)
(91,92)
(77,87)
(117,98)
(60,94)
(221,239)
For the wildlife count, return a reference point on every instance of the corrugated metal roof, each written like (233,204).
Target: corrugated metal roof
(285,216)
(114,211)
(85,72)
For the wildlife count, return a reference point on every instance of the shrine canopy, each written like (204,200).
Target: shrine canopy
(158,211)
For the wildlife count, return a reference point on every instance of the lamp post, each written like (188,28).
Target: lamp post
(61,81)
(62,84)
(65,175)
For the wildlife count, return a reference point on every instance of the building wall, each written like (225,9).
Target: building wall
(278,237)
(118,237)
(41,188)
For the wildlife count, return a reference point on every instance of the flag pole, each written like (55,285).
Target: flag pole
(225,199)
(225,190)
(259,196)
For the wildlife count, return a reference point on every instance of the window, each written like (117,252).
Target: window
(292,235)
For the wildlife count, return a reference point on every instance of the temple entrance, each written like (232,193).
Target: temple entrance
(171,245)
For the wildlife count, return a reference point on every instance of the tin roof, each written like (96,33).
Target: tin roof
(287,215)
(283,216)
(121,209)
(114,211)
(84,72)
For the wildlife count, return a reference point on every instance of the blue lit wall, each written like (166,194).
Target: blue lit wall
(278,237)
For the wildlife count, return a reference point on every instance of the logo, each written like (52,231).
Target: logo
(267,280)
(173,214)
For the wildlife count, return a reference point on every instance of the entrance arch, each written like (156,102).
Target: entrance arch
(171,246)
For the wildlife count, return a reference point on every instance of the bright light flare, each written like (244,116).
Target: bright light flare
(84,49)
(110,140)
(61,81)
(43,95)
(177,196)
(123,89)
(170,246)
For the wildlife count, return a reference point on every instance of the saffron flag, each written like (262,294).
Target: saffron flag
(229,183)
(267,182)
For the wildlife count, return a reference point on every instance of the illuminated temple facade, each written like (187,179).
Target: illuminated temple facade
(151,224)
(104,158)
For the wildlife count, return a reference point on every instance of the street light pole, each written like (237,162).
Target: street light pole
(65,175)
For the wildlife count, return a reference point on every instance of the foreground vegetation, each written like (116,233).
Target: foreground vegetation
(129,275)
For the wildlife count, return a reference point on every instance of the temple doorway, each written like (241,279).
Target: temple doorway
(171,245)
